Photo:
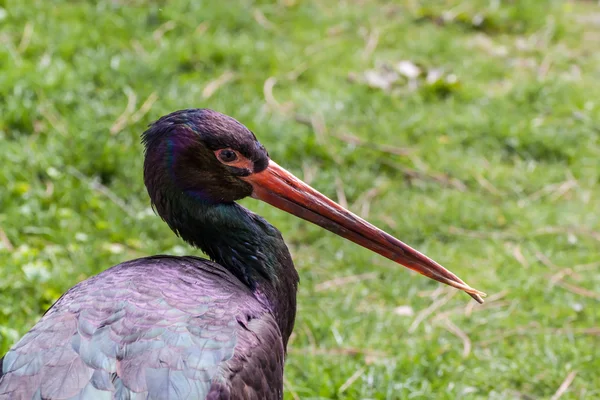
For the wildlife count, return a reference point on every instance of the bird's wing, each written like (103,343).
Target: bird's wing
(256,370)
(157,328)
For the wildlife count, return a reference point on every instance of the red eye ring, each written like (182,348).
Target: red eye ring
(233,158)
(227,155)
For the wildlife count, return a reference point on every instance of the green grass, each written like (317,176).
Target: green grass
(500,181)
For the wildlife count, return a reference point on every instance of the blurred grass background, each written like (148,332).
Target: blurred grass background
(466,128)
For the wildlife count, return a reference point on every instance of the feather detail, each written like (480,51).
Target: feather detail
(131,333)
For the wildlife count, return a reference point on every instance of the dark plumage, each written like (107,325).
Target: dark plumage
(168,327)
(190,331)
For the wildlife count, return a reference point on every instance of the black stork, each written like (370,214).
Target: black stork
(167,327)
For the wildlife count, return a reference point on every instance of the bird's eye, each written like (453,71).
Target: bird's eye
(227,155)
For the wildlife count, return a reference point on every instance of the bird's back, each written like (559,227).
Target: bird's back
(152,328)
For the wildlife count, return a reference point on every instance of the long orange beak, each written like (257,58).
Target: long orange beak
(283,190)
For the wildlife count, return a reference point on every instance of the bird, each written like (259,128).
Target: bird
(185,327)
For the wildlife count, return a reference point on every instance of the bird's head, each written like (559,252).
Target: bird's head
(215,159)
(202,153)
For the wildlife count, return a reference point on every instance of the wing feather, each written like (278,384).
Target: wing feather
(155,328)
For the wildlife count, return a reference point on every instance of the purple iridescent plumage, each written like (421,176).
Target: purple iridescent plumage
(174,327)
(183,327)
(192,331)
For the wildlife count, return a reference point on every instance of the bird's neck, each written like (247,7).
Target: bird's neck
(248,246)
